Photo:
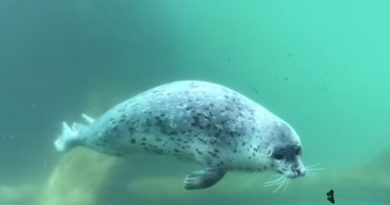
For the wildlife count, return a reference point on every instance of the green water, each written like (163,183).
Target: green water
(321,65)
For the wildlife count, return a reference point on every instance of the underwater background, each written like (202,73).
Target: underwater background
(323,66)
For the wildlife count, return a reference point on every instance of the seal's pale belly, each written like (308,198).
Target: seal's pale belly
(196,120)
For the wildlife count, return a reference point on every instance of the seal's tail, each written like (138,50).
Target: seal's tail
(70,136)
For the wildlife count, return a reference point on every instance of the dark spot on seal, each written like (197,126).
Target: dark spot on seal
(213,155)
(132,141)
(159,151)
(198,151)
(218,134)
(220,164)
(131,130)
(101,144)
(118,154)
(148,123)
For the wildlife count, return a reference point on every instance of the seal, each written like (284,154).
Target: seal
(193,120)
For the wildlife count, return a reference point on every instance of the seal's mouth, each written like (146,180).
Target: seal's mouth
(292,172)
(295,172)
(289,172)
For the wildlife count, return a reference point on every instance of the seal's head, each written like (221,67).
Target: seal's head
(285,151)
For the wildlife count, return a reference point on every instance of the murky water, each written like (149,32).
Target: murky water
(322,66)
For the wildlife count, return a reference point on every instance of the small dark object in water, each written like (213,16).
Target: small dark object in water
(330,196)
(256,91)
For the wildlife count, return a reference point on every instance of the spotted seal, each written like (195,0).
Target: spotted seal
(194,120)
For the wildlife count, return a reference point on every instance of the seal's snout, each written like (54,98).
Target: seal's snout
(299,171)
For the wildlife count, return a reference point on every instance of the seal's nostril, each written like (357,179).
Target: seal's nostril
(299,172)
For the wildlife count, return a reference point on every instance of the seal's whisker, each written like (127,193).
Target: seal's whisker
(311,173)
(271,183)
(277,188)
(313,169)
(274,182)
(313,165)
(285,183)
(280,184)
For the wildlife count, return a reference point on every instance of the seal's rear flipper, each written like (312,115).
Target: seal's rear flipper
(87,118)
(68,138)
(203,178)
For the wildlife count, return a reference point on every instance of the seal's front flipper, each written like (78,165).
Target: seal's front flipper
(203,178)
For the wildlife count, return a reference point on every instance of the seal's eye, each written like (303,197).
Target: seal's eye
(278,156)
(298,151)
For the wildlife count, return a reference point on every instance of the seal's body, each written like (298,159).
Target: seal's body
(193,120)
